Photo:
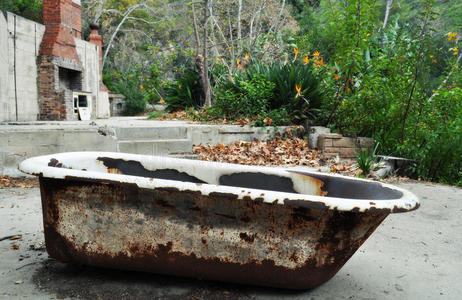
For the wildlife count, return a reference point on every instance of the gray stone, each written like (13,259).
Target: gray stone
(313,134)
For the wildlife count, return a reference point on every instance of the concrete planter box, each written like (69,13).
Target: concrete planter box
(245,224)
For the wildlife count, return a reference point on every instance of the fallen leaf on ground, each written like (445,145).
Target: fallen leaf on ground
(16,237)
(15,247)
(281,151)
(25,183)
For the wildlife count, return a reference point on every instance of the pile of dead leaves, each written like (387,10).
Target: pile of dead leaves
(201,116)
(177,115)
(278,152)
(25,183)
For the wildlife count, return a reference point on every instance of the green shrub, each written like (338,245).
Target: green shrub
(242,97)
(366,160)
(275,117)
(129,86)
(434,138)
(185,92)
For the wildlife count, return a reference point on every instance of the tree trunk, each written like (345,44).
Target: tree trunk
(208,94)
(239,14)
(196,30)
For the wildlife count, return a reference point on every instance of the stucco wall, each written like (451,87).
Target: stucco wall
(5,105)
(24,37)
(89,55)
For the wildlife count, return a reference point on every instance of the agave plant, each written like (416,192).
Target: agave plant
(296,87)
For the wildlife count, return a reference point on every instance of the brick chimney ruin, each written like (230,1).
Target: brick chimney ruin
(59,66)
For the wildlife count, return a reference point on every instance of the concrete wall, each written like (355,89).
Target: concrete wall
(17,145)
(18,142)
(23,41)
(5,106)
(19,46)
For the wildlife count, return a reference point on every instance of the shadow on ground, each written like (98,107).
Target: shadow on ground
(84,282)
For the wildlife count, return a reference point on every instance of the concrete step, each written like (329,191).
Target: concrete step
(150,133)
(155,147)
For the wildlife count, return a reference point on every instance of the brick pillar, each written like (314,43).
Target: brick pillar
(52,104)
(61,19)
(58,56)
(97,40)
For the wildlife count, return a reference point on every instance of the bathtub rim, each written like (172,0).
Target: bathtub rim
(39,166)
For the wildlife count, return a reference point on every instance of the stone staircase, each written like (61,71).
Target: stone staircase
(153,140)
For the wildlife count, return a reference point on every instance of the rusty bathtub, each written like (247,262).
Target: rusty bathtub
(253,225)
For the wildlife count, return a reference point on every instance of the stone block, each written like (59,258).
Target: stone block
(332,135)
(344,142)
(323,142)
(348,152)
(313,135)
(331,150)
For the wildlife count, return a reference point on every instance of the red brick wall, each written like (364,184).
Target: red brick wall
(76,13)
(51,105)
(59,17)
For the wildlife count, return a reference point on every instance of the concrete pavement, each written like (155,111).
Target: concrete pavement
(413,255)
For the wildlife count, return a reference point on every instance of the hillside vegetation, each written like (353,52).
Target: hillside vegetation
(386,69)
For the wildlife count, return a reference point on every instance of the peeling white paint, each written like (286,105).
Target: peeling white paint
(76,162)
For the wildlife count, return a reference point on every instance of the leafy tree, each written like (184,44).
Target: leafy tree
(30,9)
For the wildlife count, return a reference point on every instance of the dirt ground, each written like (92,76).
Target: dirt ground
(414,255)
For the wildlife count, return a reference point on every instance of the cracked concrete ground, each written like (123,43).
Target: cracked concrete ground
(415,255)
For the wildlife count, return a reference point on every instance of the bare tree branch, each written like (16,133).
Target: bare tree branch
(387,12)
(446,79)
(196,30)
(127,14)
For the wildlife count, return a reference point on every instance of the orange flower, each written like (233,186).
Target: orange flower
(306,60)
(298,88)
(218,59)
(247,56)
(320,62)
(161,101)
(179,86)
(296,51)
(316,53)
(336,77)
(452,36)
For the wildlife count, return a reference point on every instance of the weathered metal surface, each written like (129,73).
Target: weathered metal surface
(258,229)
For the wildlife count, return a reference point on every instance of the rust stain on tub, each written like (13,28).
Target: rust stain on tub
(288,246)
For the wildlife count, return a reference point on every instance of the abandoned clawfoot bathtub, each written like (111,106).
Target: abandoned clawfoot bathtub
(253,225)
